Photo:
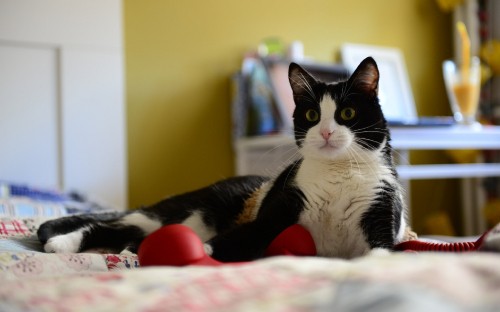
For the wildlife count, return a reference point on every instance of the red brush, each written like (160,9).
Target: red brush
(416,245)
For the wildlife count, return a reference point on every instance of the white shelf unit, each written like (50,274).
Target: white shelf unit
(267,154)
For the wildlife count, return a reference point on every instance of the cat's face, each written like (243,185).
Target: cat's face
(338,120)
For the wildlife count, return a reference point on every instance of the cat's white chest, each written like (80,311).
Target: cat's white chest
(336,198)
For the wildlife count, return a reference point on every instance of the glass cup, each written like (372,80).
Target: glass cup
(463,85)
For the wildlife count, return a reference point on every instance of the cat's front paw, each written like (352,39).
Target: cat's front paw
(127,252)
(378,251)
(208,249)
(66,243)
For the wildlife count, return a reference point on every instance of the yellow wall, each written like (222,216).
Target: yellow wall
(180,55)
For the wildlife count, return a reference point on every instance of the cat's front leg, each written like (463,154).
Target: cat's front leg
(377,252)
(244,243)
(279,209)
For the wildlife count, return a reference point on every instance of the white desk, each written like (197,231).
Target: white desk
(443,138)
(262,155)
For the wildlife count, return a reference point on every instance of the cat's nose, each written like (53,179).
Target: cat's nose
(326,134)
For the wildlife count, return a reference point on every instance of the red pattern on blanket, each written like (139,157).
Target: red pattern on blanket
(400,281)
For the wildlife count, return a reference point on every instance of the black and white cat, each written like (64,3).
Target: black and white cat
(344,188)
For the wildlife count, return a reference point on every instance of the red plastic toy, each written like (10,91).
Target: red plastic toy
(178,245)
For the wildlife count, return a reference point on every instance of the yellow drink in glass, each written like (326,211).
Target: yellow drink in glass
(463,86)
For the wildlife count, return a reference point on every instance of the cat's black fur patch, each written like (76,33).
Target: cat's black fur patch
(219,203)
(279,209)
(381,221)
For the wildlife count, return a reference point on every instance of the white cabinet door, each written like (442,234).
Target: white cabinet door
(62,109)
(29,115)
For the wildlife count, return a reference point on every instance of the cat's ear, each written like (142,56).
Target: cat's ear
(365,77)
(301,82)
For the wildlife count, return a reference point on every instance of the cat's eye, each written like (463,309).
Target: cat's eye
(347,113)
(312,115)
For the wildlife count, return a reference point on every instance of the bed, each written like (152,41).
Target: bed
(83,85)
(32,280)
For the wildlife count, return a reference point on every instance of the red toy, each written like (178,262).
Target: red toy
(178,245)
(416,245)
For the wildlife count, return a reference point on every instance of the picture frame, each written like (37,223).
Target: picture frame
(395,94)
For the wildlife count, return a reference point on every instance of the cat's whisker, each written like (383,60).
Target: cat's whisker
(365,142)
(295,151)
(309,88)
(267,152)
(300,130)
(304,85)
(292,157)
(370,127)
(346,90)
(354,158)
(307,98)
(367,129)
(366,162)
(367,139)
(285,154)
(402,158)
(373,132)
(295,164)
(343,90)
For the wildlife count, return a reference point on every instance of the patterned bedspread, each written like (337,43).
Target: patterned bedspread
(34,281)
